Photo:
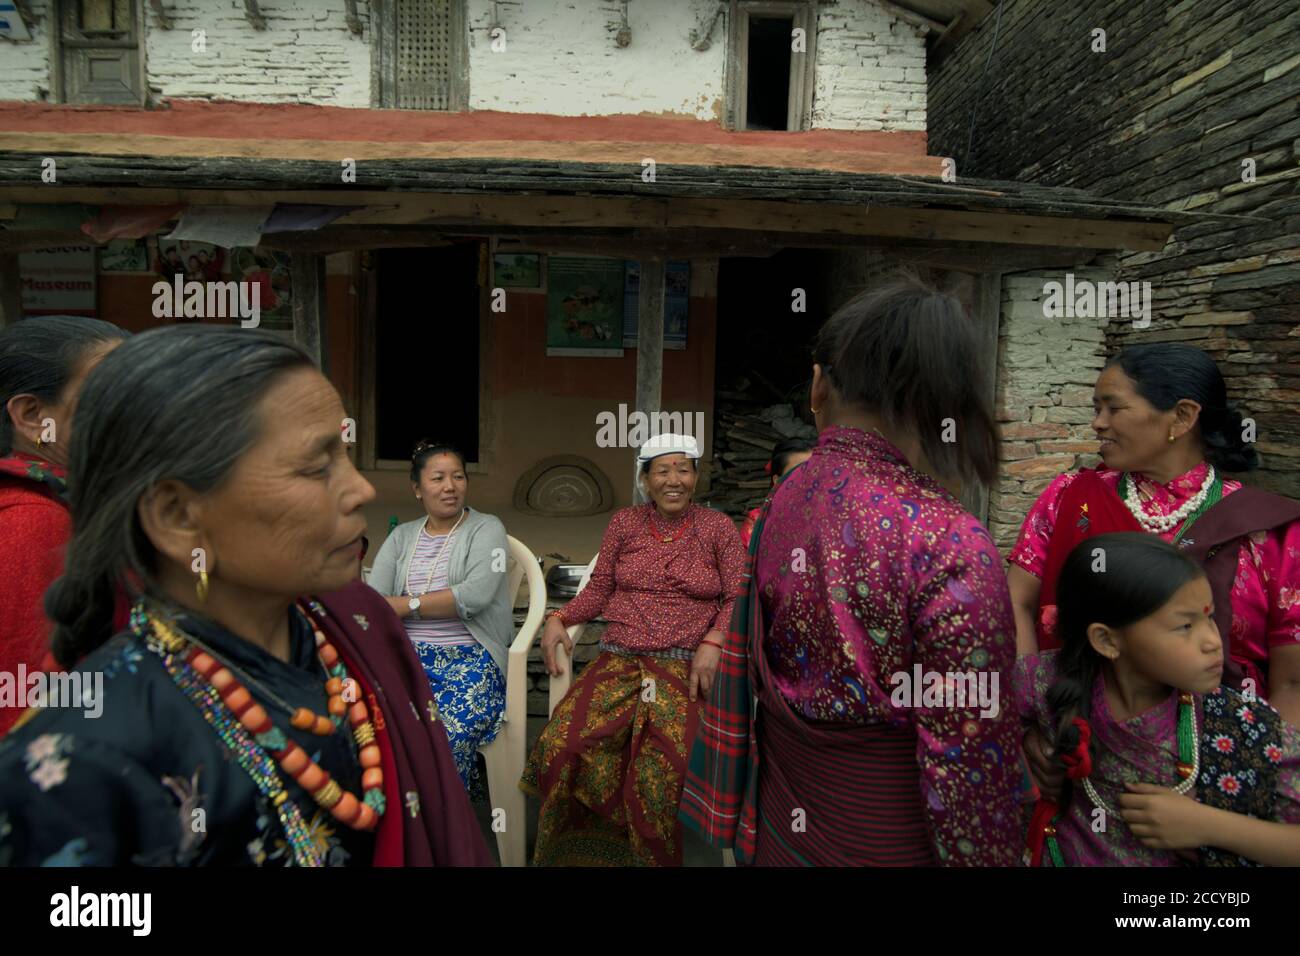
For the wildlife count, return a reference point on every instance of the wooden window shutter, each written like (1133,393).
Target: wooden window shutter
(429,52)
(99,51)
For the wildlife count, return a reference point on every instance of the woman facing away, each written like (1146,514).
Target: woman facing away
(445,576)
(43,364)
(260,688)
(875,632)
(609,766)
(1164,765)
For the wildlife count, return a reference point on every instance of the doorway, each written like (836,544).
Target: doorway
(427,321)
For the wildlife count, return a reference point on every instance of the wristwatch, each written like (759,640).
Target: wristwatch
(414,605)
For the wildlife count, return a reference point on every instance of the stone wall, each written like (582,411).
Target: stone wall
(1046,370)
(870,71)
(560,58)
(1184,94)
(306,54)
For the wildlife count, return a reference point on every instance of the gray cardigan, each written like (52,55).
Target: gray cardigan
(476,570)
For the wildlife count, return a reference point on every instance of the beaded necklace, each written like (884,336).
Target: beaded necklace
(1189,765)
(232,712)
(1211,494)
(251,758)
(667,537)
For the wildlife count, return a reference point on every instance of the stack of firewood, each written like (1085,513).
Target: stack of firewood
(746,429)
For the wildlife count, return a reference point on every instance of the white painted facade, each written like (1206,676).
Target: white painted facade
(870,70)
(25,65)
(560,57)
(306,54)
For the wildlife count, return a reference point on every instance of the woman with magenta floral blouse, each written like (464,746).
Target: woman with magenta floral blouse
(867,575)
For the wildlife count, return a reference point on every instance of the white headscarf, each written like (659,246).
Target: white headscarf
(665,444)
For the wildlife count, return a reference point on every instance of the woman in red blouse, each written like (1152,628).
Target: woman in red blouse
(43,362)
(609,766)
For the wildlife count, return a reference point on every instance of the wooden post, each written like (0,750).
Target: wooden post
(650,339)
(986,311)
(307,286)
(11,289)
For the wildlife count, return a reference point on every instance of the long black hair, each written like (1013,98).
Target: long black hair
(1135,575)
(174,403)
(908,352)
(1166,372)
(39,355)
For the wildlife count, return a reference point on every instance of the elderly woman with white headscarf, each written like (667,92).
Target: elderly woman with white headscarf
(609,766)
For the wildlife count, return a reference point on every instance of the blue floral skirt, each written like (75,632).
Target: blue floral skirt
(471,694)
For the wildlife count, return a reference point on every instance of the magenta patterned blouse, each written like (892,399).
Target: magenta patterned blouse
(1144,749)
(867,569)
(1265,593)
(656,594)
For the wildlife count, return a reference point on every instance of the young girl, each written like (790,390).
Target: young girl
(1163,764)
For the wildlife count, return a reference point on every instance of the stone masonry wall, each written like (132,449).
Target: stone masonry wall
(870,70)
(1185,93)
(1046,371)
(306,54)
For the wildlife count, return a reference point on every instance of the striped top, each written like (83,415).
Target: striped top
(449,631)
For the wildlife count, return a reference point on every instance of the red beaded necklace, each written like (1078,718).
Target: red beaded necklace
(360,814)
(665,536)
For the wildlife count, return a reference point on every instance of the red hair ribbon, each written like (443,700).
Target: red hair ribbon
(1078,762)
(1044,811)
(767,469)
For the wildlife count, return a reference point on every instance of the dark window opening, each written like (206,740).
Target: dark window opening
(767,100)
(427,349)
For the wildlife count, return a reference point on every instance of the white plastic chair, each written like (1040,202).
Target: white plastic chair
(560,685)
(505,754)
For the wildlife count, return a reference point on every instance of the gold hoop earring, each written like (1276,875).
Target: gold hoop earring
(39,441)
(814,410)
(1171,436)
(201,587)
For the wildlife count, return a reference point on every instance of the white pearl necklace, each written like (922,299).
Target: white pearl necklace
(1157,524)
(1182,789)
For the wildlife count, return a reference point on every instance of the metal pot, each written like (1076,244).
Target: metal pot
(562,580)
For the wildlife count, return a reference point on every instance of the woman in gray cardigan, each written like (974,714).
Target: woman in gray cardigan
(445,576)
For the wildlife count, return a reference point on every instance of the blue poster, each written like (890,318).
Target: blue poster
(677,298)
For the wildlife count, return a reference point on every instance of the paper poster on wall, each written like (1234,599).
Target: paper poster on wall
(677,303)
(12,26)
(271,271)
(194,261)
(125,256)
(517,270)
(584,306)
(58,281)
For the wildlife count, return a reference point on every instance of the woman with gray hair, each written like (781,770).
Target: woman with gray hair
(609,767)
(263,706)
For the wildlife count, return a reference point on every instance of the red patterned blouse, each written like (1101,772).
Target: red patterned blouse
(659,594)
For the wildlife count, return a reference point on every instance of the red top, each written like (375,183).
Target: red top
(660,594)
(747,526)
(34,531)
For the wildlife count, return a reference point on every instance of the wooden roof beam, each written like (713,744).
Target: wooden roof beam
(1014,227)
(972,15)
